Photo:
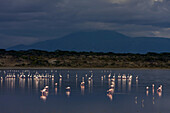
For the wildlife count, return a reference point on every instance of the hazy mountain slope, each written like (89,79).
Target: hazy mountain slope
(103,41)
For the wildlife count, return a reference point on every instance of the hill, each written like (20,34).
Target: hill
(101,41)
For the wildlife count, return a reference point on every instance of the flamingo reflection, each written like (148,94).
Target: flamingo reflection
(136,100)
(153,100)
(56,91)
(110,96)
(68,90)
(143,103)
(44,98)
(82,89)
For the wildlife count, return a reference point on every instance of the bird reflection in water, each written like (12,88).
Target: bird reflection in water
(89,84)
(56,91)
(10,83)
(52,82)
(82,79)
(108,81)
(136,100)
(101,80)
(13,83)
(60,82)
(82,89)
(159,94)
(56,88)
(143,103)
(1,82)
(22,82)
(68,76)
(82,85)
(44,98)
(136,82)
(41,83)
(119,84)
(147,93)
(129,85)
(153,100)
(68,90)
(123,85)
(36,85)
(76,82)
(29,83)
(110,96)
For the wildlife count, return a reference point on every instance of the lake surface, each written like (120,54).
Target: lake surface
(23,95)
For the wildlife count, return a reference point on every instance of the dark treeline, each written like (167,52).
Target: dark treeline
(39,58)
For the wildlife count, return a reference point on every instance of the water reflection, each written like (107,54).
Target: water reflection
(1,82)
(129,85)
(110,96)
(91,88)
(153,100)
(101,80)
(136,100)
(22,82)
(76,81)
(68,91)
(136,84)
(109,82)
(159,93)
(119,85)
(147,91)
(44,98)
(56,91)
(29,83)
(10,83)
(45,84)
(89,84)
(36,85)
(82,89)
(143,103)
(124,85)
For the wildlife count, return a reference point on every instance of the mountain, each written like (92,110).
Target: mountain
(101,41)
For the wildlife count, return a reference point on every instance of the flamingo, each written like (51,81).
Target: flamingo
(159,88)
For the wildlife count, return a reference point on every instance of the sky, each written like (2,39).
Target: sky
(30,21)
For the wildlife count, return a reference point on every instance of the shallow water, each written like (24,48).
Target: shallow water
(23,95)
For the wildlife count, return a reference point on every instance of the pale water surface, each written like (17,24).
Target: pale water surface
(23,95)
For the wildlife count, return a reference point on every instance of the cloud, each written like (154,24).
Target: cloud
(9,41)
(48,19)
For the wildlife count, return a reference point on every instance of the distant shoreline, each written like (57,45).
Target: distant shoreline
(37,59)
(1,68)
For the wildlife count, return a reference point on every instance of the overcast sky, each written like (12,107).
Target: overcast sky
(29,21)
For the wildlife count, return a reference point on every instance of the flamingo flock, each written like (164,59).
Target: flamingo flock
(86,80)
